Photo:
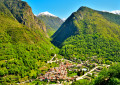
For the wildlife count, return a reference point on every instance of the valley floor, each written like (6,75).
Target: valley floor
(68,72)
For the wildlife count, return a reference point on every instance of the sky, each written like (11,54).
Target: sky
(64,8)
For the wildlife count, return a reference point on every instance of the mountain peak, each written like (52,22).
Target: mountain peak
(83,8)
(46,13)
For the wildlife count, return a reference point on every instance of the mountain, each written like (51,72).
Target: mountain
(88,32)
(111,17)
(23,13)
(24,47)
(51,21)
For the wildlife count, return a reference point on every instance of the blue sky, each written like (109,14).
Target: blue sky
(64,8)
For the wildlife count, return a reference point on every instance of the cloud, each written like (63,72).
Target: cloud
(64,19)
(35,14)
(114,12)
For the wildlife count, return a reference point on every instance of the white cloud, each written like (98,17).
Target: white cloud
(35,14)
(114,12)
(64,19)
(46,13)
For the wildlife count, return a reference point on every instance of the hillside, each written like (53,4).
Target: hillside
(52,23)
(23,13)
(88,33)
(23,48)
(111,17)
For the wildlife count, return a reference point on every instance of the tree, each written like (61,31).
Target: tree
(1,73)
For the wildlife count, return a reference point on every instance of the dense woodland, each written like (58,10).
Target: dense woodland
(88,46)
(91,35)
(23,50)
(109,76)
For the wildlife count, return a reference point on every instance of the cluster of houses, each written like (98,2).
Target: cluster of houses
(57,73)
(60,73)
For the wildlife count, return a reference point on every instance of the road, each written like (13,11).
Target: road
(82,77)
(51,61)
(53,57)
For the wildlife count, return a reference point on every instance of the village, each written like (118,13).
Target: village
(68,71)
(65,71)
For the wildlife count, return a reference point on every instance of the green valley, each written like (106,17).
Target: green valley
(45,50)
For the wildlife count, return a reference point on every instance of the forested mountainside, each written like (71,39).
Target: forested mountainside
(23,13)
(52,23)
(108,76)
(24,47)
(111,17)
(87,33)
